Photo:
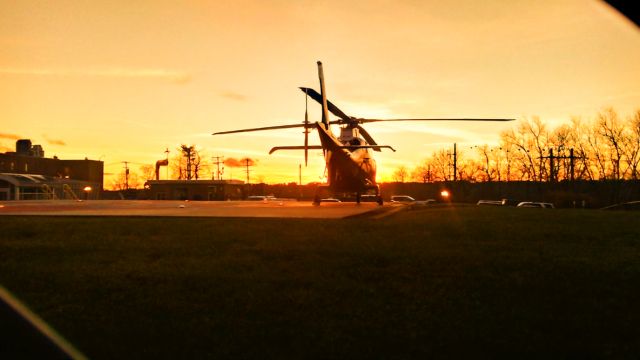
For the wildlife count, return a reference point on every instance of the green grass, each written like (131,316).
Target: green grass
(436,282)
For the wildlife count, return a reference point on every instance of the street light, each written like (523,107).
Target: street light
(87,190)
(445,195)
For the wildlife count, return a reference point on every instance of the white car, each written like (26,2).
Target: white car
(490,202)
(402,199)
(406,199)
(532,204)
(261,198)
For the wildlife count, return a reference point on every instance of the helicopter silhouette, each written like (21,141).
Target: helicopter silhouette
(350,165)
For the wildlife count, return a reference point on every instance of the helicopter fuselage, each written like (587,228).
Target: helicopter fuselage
(350,167)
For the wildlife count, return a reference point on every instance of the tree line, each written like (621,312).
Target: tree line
(605,147)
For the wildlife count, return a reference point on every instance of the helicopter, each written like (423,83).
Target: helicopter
(350,165)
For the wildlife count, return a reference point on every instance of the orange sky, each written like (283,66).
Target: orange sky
(121,80)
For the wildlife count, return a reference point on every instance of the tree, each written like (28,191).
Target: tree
(609,128)
(400,174)
(147,172)
(189,164)
(632,145)
(604,148)
(125,180)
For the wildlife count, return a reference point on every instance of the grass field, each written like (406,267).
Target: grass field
(436,282)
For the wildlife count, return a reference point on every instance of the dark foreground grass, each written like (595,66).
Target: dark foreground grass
(442,283)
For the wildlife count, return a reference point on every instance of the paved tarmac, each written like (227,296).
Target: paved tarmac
(272,209)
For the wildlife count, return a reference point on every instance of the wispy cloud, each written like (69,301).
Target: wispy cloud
(174,76)
(10,136)
(233,96)
(240,151)
(54,141)
(232,162)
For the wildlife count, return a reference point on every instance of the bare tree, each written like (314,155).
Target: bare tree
(147,172)
(400,174)
(583,168)
(189,164)
(124,181)
(632,145)
(610,129)
(604,148)
(422,173)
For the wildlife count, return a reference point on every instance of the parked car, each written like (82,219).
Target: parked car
(368,198)
(533,204)
(330,200)
(261,198)
(490,202)
(406,199)
(402,198)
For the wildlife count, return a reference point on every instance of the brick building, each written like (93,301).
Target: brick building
(29,160)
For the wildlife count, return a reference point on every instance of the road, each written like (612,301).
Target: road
(273,208)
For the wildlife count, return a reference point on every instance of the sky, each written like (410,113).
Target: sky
(123,81)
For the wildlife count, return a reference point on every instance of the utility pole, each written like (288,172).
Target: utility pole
(300,174)
(218,160)
(447,176)
(247,166)
(167,152)
(571,157)
(550,157)
(126,175)
(552,176)
(508,167)
(188,154)
(571,163)
(455,162)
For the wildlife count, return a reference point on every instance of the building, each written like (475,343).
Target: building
(27,174)
(40,187)
(195,189)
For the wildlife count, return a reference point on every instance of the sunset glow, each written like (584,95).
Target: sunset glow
(123,81)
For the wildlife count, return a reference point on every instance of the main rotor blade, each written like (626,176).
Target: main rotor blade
(367,137)
(312,147)
(265,128)
(362,121)
(334,109)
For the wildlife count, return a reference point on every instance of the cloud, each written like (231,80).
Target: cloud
(231,162)
(5,149)
(174,76)
(233,96)
(54,141)
(10,136)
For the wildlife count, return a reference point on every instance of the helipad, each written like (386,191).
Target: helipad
(276,208)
